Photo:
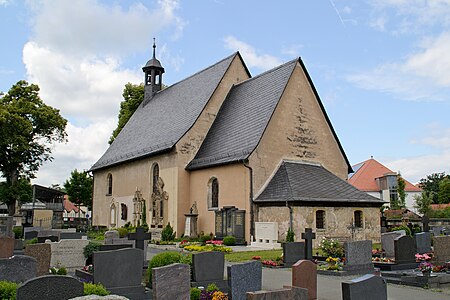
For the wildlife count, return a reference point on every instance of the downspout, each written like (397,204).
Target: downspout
(290,215)
(252,214)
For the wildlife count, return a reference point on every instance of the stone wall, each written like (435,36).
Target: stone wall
(337,222)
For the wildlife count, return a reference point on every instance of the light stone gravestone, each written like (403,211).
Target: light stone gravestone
(266,235)
(441,247)
(387,242)
(6,226)
(291,293)
(18,268)
(6,246)
(304,275)
(358,257)
(423,242)
(367,287)
(243,278)
(42,253)
(68,254)
(50,287)
(171,282)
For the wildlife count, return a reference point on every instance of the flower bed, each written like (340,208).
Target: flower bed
(209,247)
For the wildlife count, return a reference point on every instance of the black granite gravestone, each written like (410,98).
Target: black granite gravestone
(308,236)
(139,237)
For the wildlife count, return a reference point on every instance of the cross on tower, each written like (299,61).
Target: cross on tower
(308,236)
(139,236)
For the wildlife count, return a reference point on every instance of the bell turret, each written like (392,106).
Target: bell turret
(153,75)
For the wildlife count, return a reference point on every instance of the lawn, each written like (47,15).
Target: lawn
(247,255)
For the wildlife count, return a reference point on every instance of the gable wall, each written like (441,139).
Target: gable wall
(298,130)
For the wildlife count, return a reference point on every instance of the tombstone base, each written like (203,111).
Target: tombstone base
(84,276)
(394,266)
(131,292)
(359,269)
(269,246)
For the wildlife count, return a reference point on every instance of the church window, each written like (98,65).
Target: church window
(213,193)
(320,219)
(109,184)
(155,178)
(359,221)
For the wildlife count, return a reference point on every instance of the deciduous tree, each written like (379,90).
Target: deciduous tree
(431,184)
(79,188)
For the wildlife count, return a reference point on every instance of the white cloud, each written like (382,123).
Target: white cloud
(252,58)
(421,76)
(5,2)
(379,23)
(292,50)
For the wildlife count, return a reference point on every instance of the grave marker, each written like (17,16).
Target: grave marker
(367,287)
(266,235)
(423,242)
(139,237)
(358,257)
(308,236)
(68,254)
(6,246)
(405,250)
(207,267)
(18,268)
(243,278)
(387,242)
(304,275)
(171,282)
(6,226)
(42,253)
(293,252)
(50,287)
(292,293)
(441,247)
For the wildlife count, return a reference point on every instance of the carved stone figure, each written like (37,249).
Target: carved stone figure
(159,201)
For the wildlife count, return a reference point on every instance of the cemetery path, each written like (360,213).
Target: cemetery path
(329,287)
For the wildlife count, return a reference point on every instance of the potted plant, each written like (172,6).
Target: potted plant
(425,267)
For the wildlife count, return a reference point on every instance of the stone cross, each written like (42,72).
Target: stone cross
(308,236)
(139,236)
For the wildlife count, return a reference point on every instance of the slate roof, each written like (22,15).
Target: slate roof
(368,171)
(244,116)
(156,126)
(296,181)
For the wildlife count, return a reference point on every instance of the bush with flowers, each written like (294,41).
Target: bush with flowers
(209,247)
(331,248)
(383,260)
(423,257)
(333,263)
(425,266)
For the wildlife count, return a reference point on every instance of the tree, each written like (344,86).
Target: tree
(28,128)
(431,184)
(22,191)
(79,188)
(401,191)
(444,191)
(423,202)
(133,96)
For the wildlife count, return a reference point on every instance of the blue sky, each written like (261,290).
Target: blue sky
(381,67)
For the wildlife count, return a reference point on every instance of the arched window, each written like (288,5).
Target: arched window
(155,177)
(359,221)
(320,219)
(109,184)
(213,193)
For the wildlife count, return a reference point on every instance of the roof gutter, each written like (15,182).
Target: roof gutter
(252,213)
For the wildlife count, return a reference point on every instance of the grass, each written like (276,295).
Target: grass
(247,255)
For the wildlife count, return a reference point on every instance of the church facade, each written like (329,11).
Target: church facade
(214,141)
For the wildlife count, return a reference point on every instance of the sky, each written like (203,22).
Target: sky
(381,67)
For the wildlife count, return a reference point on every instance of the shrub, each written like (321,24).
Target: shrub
(290,236)
(195,293)
(402,227)
(8,290)
(95,289)
(91,248)
(167,233)
(331,248)
(204,238)
(32,241)
(18,232)
(98,235)
(229,240)
(163,259)
(122,232)
(212,287)
(58,271)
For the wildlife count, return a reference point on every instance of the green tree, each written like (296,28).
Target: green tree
(444,191)
(133,96)
(401,191)
(79,188)
(28,128)
(423,202)
(431,184)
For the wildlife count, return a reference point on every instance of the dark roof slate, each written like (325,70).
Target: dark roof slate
(297,181)
(156,126)
(243,117)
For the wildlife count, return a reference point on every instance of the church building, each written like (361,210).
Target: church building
(236,150)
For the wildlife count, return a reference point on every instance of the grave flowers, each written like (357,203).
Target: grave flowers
(425,267)
(333,263)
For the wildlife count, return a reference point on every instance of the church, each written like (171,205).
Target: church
(236,150)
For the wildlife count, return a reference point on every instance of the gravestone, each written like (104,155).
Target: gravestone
(115,247)
(230,221)
(441,247)
(243,278)
(207,268)
(426,223)
(304,275)
(358,257)
(266,235)
(6,226)
(140,236)
(190,227)
(437,230)
(293,252)
(6,246)
(71,235)
(291,293)
(387,242)
(18,244)
(423,242)
(51,238)
(308,236)
(42,253)
(18,268)
(120,271)
(367,287)
(68,254)
(405,249)
(171,282)
(50,287)
(111,234)
(29,235)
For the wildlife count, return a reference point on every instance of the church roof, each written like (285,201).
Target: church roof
(244,116)
(368,171)
(297,181)
(156,126)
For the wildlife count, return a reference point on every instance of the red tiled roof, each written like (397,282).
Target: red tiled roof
(365,177)
(439,206)
(69,206)
(400,213)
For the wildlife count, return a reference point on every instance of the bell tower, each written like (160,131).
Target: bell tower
(153,75)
